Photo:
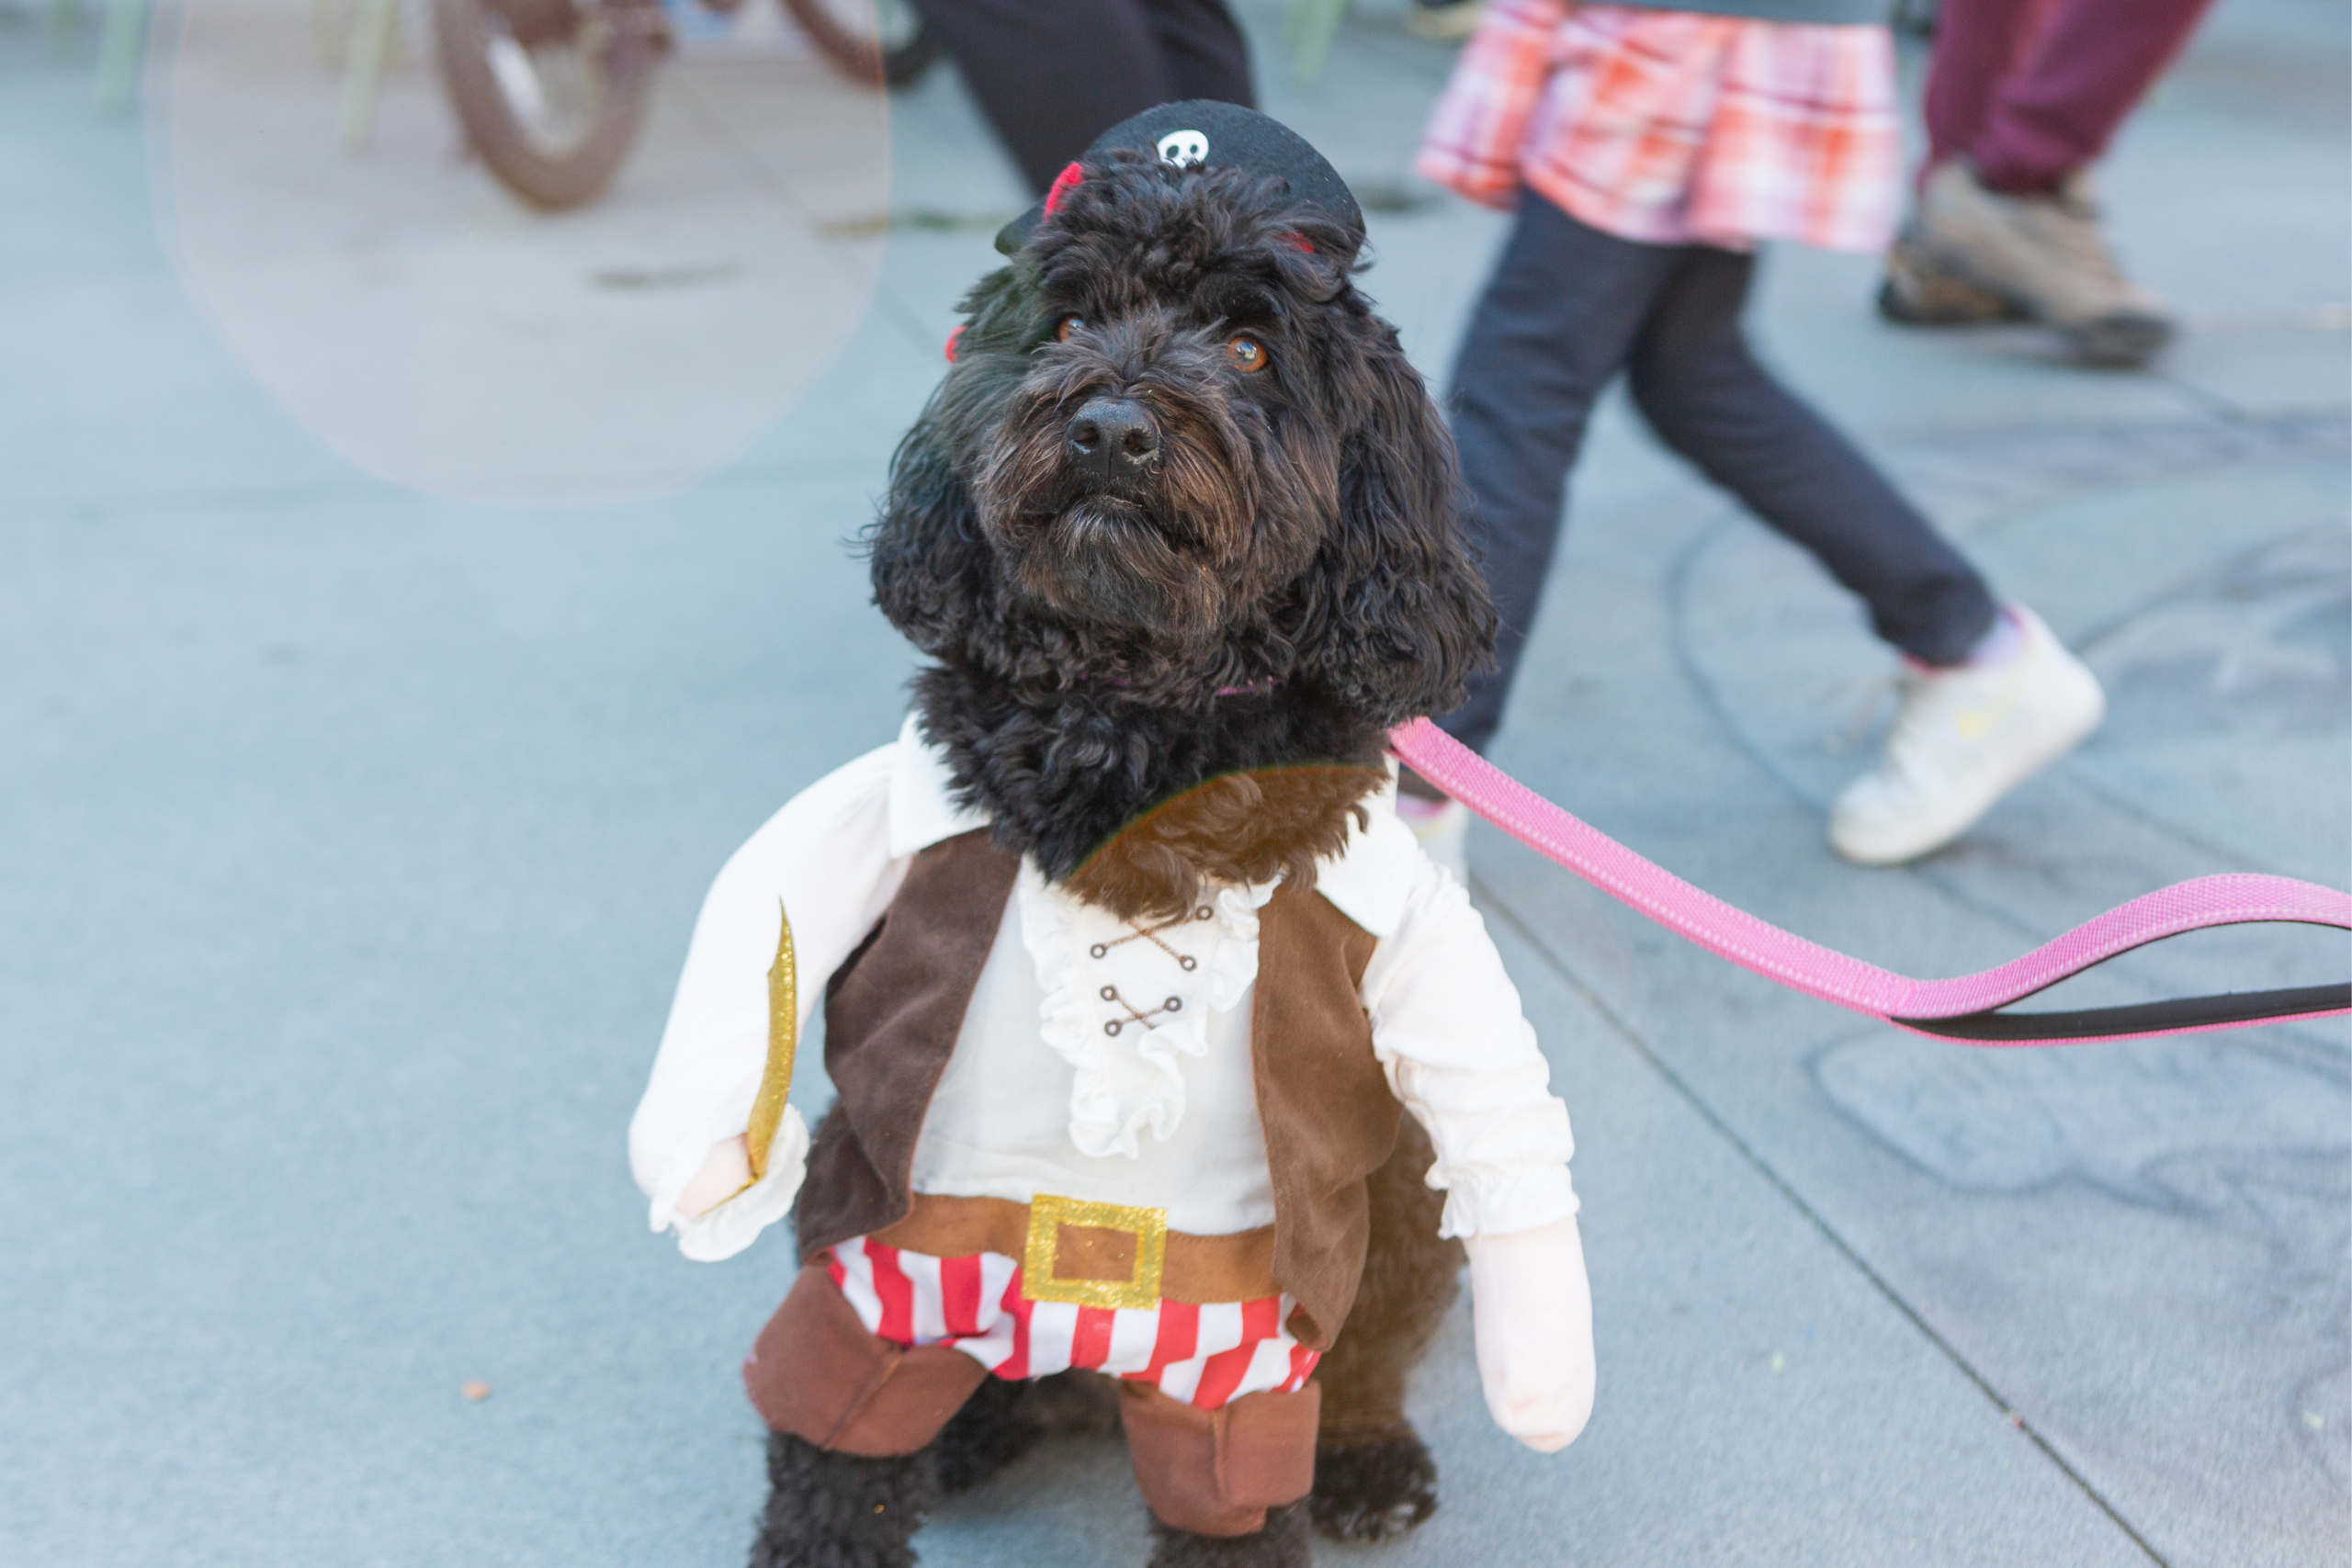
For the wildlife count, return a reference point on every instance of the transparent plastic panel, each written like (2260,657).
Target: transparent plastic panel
(441,332)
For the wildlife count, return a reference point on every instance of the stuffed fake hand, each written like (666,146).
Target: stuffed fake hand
(1532,1311)
(721,1210)
(726,1172)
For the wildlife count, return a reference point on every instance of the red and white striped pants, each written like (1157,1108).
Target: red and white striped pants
(1205,1355)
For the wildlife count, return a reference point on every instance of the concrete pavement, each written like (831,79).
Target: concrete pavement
(352,837)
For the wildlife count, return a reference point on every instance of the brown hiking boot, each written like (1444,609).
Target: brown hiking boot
(1918,293)
(2043,255)
(1449,21)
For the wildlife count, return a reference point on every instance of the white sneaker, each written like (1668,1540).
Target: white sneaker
(1964,738)
(1443,828)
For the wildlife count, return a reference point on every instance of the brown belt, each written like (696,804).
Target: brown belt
(1094,1254)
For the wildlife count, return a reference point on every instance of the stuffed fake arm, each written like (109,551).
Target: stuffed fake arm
(713,1145)
(1459,1054)
(1461,1058)
(747,1182)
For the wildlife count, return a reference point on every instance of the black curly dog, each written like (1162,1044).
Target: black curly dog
(1178,531)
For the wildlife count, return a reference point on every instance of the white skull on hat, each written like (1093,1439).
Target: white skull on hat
(1183,147)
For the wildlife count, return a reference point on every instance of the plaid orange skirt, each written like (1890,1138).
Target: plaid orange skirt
(1675,127)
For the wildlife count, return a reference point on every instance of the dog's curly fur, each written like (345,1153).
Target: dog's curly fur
(834,1510)
(1179,674)
(1374,1476)
(1281,1542)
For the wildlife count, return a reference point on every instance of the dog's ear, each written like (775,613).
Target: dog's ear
(1398,617)
(931,566)
(928,561)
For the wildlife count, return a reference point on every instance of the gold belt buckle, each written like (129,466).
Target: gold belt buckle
(1047,1214)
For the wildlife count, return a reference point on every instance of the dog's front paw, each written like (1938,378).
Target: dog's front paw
(836,1510)
(1373,1490)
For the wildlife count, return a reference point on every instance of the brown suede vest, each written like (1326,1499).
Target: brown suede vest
(893,1012)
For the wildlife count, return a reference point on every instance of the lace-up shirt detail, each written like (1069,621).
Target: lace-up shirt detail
(1108,1061)
(1128,1005)
(1184,961)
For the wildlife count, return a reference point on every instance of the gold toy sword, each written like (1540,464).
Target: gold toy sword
(784,1036)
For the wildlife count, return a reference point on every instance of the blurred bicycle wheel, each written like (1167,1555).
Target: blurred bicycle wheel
(552,93)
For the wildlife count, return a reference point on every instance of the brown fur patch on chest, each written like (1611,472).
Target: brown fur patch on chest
(1248,828)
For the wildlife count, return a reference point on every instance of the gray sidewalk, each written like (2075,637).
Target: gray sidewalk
(350,840)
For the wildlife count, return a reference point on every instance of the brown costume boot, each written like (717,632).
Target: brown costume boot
(1225,1487)
(1918,293)
(853,1467)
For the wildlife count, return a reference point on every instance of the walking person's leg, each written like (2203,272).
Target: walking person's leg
(1551,330)
(1052,75)
(2086,68)
(1550,333)
(2024,106)
(1202,49)
(1990,696)
(1695,381)
(1978,43)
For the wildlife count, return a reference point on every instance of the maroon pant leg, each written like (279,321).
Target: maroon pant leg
(1978,43)
(2031,90)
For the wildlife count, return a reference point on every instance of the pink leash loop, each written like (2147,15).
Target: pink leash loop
(1961,1009)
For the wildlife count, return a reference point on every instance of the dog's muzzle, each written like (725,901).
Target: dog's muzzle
(1112,439)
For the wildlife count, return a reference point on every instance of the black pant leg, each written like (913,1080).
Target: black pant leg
(1551,332)
(1203,50)
(1052,75)
(1701,388)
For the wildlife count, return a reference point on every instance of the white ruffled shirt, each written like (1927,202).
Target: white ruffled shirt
(1095,1062)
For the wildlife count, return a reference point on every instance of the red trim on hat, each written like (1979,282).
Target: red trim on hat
(951,340)
(1064,183)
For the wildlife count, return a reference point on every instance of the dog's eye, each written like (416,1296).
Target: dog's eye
(1066,325)
(1246,353)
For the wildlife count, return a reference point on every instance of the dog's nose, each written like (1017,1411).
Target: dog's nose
(1112,438)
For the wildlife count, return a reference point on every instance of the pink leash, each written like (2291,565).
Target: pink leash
(1964,1009)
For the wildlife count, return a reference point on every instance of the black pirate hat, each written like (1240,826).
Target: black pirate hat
(1218,135)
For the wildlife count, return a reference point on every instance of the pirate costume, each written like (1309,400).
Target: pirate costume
(1065,1140)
